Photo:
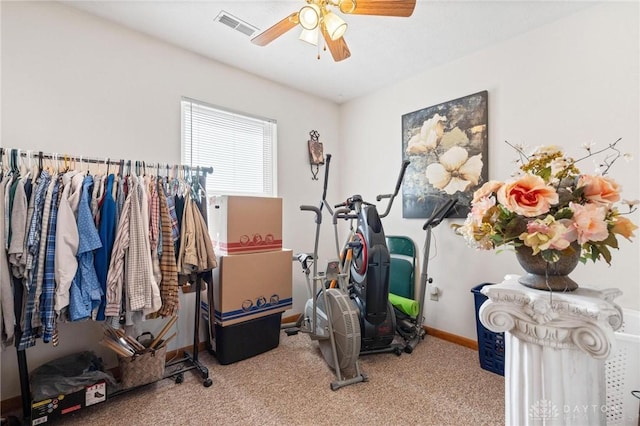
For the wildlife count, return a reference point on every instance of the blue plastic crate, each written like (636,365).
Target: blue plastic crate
(490,344)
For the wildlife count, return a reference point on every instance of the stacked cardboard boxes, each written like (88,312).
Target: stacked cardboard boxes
(252,283)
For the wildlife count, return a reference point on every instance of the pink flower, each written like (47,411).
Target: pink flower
(480,208)
(624,227)
(486,190)
(589,222)
(547,234)
(528,196)
(599,189)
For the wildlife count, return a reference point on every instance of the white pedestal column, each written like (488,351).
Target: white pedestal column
(555,350)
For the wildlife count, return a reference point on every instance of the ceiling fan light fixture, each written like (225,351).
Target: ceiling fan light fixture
(310,36)
(309,16)
(335,26)
(347,6)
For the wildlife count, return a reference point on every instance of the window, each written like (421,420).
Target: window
(240,148)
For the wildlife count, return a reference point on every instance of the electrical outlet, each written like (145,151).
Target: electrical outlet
(434,292)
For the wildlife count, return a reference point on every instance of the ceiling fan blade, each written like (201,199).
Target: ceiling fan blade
(338,48)
(272,33)
(402,8)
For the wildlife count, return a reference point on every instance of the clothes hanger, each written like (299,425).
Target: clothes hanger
(1,163)
(13,162)
(29,164)
(40,165)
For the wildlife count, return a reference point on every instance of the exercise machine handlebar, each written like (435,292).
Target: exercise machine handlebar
(342,213)
(326,182)
(440,214)
(391,197)
(314,209)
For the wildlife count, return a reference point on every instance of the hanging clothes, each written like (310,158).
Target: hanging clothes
(8,318)
(47,314)
(85,293)
(151,212)
(168,267)
(196,251)
(130,268)
(27,338)
(67,239)
(77,246)
(140,279)
(115,273)
(154,211)
(17,252)
(107,232)
(35,319)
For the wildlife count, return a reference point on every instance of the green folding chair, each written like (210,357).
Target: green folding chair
(403,265)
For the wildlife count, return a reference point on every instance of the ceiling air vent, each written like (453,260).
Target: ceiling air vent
(235,23)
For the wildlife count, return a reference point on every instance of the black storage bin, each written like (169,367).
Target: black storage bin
(490,344)
(240,341)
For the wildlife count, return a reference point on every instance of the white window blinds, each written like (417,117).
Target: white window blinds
(240,148)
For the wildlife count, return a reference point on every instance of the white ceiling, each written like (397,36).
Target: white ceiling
(383,49)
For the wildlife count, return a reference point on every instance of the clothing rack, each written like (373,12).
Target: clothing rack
(189,361)
(121,163)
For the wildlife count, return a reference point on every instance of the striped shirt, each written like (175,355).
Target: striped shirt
(115,274)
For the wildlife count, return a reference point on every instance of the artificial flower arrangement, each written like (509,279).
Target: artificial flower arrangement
(551,207)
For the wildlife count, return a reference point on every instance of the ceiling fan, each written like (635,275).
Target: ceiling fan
(317,17)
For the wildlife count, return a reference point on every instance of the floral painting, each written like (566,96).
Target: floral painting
(447,146)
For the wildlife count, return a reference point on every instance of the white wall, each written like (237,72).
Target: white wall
(76,84)
(573,81)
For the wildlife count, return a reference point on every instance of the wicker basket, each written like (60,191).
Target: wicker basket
(142,369)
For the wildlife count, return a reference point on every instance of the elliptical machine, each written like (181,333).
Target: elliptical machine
(348,311)
(365,259)
(329,317)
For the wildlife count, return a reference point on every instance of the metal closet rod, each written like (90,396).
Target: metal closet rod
(108,161)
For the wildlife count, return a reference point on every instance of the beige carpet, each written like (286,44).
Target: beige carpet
(440,383)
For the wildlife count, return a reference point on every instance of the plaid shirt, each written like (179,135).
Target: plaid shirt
(47,313)
(138,273)
(28,339)
(168,267)
(35,218)
(175,228)
(46,213)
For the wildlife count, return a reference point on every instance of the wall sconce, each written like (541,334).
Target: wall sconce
(316,156)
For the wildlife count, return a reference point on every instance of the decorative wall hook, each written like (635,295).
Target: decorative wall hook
(316,156)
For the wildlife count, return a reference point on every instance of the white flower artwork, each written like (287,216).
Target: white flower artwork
(447,145)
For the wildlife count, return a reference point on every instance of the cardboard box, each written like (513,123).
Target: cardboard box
(54,408)
(240,224)
(249,286)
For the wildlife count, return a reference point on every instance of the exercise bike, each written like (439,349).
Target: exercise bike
(365,261)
